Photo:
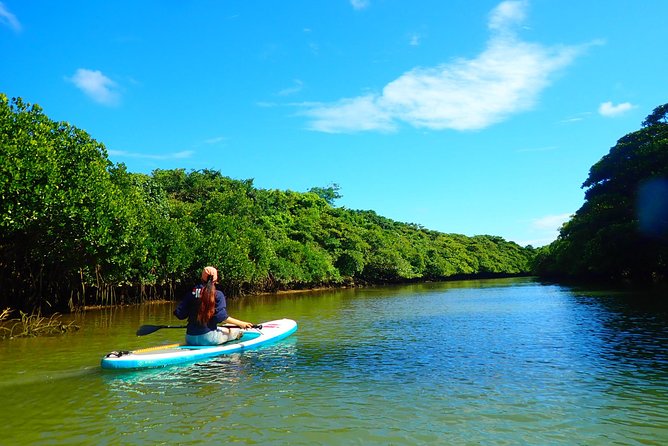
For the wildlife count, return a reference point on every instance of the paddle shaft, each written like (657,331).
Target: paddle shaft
(148,329)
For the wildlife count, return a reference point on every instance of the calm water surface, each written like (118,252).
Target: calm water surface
(477,362)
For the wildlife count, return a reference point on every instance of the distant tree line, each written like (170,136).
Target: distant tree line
(621,231)
(76,229)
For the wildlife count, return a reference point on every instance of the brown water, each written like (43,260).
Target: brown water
(477,362)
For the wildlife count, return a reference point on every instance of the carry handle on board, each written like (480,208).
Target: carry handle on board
(148,329)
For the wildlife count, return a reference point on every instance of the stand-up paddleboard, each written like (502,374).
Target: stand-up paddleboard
(160,356)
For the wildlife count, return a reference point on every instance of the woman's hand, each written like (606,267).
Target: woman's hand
(243,324)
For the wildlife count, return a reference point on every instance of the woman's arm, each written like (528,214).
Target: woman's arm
(237,322)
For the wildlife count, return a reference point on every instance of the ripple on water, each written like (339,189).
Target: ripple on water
(496,364)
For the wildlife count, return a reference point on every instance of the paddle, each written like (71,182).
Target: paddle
(148,329)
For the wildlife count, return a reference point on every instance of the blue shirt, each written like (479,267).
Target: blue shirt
(189,307)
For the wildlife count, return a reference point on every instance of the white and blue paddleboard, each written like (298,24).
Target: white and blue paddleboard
(164,355)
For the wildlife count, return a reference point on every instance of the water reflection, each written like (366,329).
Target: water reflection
(631,332)
(495,362)
(225,369)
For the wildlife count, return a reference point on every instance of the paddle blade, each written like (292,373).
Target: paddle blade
(148,329)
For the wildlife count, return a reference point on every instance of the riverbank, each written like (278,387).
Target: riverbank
(33,325)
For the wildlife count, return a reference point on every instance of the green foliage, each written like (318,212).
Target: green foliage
(329,193)
(76,229)
(60,214)
(621,231)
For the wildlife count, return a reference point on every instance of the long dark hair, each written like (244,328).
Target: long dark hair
(207,304)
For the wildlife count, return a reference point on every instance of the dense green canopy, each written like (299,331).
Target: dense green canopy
(621,231)
(76,229)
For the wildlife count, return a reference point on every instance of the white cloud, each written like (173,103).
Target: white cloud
(465,94)
(608,109)
(359,4)
(507,14)
(351,115)
(9,19)
(96,85)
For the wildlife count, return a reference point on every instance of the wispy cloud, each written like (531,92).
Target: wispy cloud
(544,230)
(360,4)
(9,19)
(96,86)
(466,94)
(215,140)
(576,118)
(414,39)
(295,88)
(537,149)
(609,110)
(551,222)
(164,156)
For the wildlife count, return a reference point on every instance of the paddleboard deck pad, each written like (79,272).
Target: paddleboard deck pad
(164,355)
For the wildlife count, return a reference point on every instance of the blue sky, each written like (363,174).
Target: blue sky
(465,117)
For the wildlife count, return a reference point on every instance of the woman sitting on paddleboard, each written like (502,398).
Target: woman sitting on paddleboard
(205,308)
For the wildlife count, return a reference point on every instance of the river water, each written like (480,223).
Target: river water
(490,362)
